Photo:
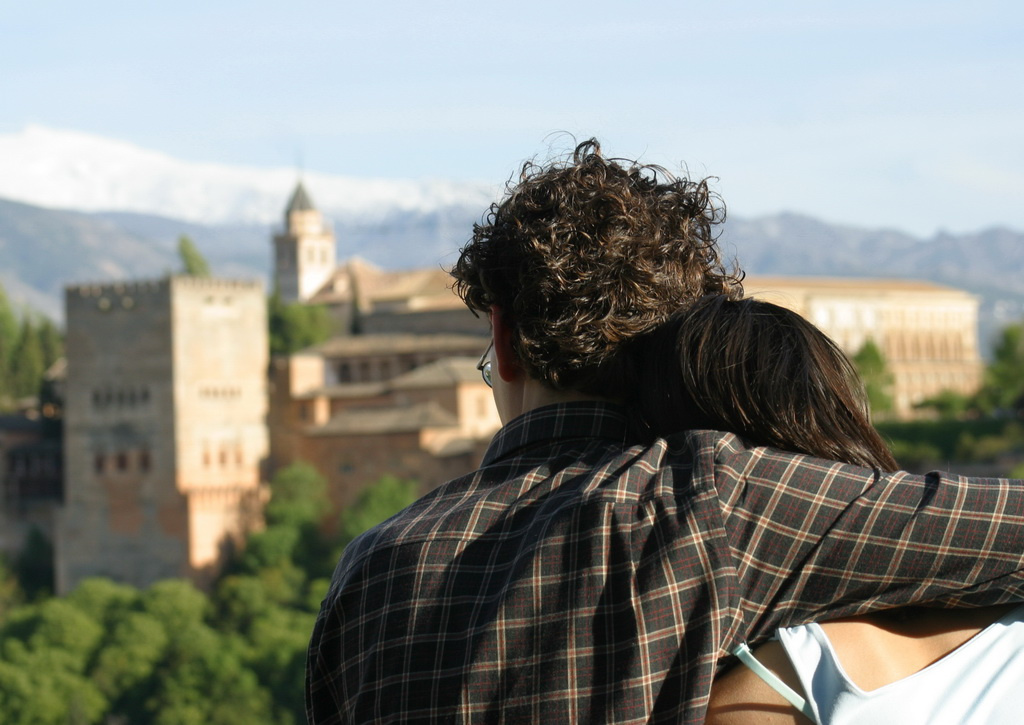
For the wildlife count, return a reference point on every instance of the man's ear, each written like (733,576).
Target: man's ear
(505,361)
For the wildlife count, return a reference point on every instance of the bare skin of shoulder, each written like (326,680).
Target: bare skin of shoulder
(874,650)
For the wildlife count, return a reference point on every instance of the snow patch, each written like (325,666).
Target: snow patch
(79,171)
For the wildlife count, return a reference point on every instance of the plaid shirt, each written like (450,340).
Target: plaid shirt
(574,578)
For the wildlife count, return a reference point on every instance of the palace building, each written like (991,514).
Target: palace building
(927,332)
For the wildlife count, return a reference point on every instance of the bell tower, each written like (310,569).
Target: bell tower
(304,252)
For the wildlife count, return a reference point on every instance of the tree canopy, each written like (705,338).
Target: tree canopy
(296,326)
(1003,384)
(172,654)
(874,371)
(193,263)
(29,345)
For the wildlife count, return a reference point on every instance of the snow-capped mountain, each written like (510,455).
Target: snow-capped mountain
(82,172)
(77,208)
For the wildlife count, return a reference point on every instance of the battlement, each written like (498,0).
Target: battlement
(98,289)
(145,286)
(217,284)
(107,296)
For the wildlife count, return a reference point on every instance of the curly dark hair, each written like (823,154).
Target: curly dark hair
(584,254)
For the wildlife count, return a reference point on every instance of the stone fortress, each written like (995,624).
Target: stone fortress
(164,427)
(175,418)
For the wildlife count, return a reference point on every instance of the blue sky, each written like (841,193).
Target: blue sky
(900,114)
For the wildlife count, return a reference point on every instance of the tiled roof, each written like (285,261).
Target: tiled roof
(399,419)
(345,390)
(414,289)
(360,345)
(872,285)
(300,200)
(443,372)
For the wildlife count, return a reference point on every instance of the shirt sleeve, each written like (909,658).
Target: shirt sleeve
(815,539)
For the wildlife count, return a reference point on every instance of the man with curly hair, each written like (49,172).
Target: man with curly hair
(588,572)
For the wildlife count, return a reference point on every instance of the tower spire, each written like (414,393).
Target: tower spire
(300,200)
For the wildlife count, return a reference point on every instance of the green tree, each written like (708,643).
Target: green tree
(377,502)
(9,329)
(298,504)
(874,371)
(50,340)
(239,600)
(291,548)
(124,667)
(990,447)
(34,565)
(203,679)
(27,364)
(1003,382)
(110,653)
(46,650)
(272,547)
(11,594)
(296,326)
(947,404)
(104,600)
(176,603)
(192,261)
(298,495)
(279,641)
(170,655)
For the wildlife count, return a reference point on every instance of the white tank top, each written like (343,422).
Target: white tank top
(981,682)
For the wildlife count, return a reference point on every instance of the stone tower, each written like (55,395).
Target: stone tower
(304,253)
(165,427)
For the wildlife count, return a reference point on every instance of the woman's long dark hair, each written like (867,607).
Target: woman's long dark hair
(761,371)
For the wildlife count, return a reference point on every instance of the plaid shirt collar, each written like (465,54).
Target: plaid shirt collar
(585,419)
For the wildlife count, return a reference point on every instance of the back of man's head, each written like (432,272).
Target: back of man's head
(584,254)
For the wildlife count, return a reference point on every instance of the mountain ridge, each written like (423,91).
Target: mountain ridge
(78,208)
(42,250)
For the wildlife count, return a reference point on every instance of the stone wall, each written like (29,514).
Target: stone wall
(165,400)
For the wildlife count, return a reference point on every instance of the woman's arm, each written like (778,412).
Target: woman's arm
(739,697)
